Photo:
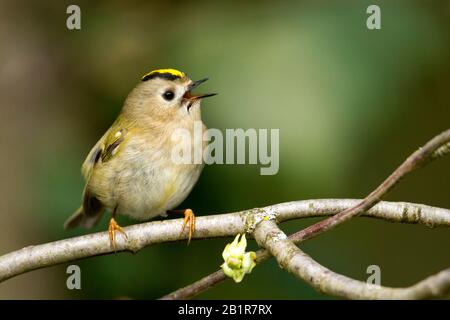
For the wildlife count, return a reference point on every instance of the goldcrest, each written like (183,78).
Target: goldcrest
(130,170)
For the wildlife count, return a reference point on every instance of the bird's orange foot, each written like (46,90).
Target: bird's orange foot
(189,219)
(113,227)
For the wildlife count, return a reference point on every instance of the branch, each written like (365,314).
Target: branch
(433,149)
(224,225)
(145,234)
(402,212)
(437,147)
(292,259)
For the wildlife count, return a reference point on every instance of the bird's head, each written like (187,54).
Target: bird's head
(167,95)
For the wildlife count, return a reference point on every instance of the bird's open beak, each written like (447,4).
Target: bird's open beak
(190,96)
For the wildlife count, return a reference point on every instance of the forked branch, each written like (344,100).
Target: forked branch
(437,147)
(261,223)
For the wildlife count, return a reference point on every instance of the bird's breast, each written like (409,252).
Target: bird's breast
(148,182)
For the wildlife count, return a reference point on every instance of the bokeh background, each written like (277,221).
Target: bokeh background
(350,104)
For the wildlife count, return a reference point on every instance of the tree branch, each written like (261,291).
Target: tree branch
(230,224)
(433,149)
(224,225)
(292,259)
(437,147)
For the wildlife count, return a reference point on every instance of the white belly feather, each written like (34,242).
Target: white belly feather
(146,182)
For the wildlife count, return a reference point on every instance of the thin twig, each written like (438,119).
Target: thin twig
(436,147)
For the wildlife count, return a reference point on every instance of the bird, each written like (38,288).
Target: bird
(130,170)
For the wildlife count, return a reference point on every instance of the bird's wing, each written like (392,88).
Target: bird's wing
(104,150)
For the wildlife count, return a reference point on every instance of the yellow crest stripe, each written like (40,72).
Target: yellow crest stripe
(173,72)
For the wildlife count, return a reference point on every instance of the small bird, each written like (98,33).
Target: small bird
(130,170)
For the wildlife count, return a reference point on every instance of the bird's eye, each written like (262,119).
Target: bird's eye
(168,95)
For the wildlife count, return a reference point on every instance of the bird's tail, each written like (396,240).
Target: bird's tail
(88,214)
(80,219)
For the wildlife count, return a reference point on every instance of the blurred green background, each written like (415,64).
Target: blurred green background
(350,104)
